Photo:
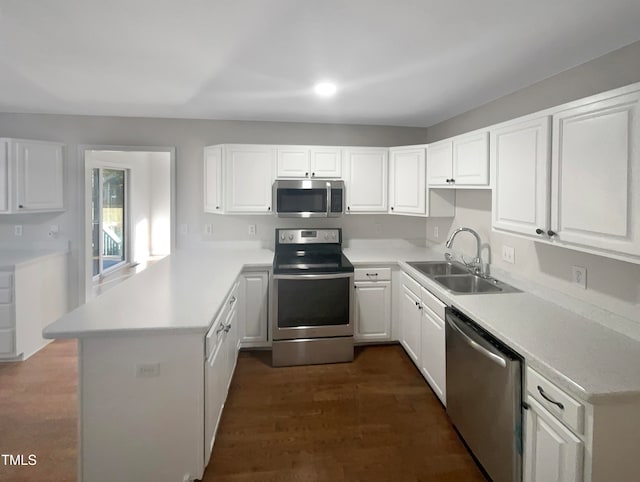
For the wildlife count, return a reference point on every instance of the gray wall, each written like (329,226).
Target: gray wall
(614,285)
(188,137)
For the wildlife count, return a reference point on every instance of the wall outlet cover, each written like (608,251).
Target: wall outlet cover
(508,254)
(579,276)
(252,230)
(436,232)
(208,229)
(17,230)
(184,229)
(147,370)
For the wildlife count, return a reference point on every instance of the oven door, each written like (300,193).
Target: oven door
(312,306)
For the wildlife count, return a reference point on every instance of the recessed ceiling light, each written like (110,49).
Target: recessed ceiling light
(325,89)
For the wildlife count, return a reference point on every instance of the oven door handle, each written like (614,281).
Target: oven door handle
(312,276)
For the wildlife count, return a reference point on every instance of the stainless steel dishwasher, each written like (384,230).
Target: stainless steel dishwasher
(484,396)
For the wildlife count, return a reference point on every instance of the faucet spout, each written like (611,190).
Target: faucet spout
(477,263)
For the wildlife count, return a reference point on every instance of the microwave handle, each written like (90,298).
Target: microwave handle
(328,199)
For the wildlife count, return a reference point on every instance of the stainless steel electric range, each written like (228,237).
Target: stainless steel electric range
(312,306)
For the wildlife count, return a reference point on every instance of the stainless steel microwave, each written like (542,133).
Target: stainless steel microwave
(312,198)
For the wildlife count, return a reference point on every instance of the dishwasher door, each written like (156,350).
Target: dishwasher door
(484,397)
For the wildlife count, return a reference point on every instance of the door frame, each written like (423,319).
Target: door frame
(85,271)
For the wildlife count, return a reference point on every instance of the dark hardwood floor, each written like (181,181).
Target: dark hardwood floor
(371,420)
(39,414)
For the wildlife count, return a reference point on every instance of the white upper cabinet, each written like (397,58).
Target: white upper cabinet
(308,162)
(595,191)
(407,182)
(366,179)
(213,180)
(31,176)
(238,179)
(460,161)
(520,163)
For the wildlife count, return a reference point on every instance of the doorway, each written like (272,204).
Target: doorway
(129,208)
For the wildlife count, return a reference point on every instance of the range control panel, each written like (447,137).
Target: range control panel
(308,236)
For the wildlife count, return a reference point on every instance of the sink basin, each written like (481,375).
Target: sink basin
(438,268)
(471,284)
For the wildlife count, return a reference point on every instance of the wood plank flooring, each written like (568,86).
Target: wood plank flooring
(374,420)
(39,414)
(371,420)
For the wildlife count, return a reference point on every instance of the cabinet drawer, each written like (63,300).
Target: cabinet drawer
(6,316)
(5,295)
(372,274)
(432,302)
(411,284)
(7,346)
(555,400)
(6,280)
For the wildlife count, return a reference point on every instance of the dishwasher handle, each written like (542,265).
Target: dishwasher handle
(476,342)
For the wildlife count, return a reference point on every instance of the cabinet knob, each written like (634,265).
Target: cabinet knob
(20,206)
(417,303)
(306,174)
(348,208)
(448,180)
(313,174)
(539,231)
(392,208)
(453,181)
(269,208)
(552,233)
(217,207)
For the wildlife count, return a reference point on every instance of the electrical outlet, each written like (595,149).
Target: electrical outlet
(252,230)
(508,254)
(147,370)
(208,229)
(436,232)
(184,229)
(17,230)
(579,276)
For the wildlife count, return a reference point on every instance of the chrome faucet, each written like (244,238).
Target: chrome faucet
(476,264)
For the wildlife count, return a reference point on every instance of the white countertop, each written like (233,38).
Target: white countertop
(184,292)
(10,258)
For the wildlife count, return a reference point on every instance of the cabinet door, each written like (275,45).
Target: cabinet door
(410,315)
(213,180)
(439,163)
(366,180)
(407,181)
(39,176)
(326,162)
(249,178)
(471,160)
(520,163)
(214,395)
(255,304)
(432,355)
(231,343)
(595,194)
(293,161)
(373,311)
(552,452)
(4,176)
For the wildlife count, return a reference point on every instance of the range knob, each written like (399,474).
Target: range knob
(283,237)
(291,237)
(326,235)
(333,236)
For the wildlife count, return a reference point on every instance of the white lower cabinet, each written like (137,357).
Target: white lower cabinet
(373,305)
(255,305)
(432,354)
(410,317)
(552,452)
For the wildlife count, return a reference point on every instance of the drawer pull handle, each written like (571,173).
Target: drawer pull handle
(220,328)
(232,300)
(372,274)
(227,328)
(549,399)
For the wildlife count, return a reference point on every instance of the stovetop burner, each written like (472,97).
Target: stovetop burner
(301,251)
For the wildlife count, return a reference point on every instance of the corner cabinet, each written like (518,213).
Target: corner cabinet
(31,176)
(462,161)
(407,188)
(366,179)
(373,304)
(238,179)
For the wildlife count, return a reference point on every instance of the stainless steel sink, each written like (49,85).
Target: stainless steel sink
(472,284)
(438,268)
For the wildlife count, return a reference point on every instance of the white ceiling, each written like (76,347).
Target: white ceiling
(397,62)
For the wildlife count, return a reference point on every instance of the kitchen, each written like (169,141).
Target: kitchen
(381,238)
